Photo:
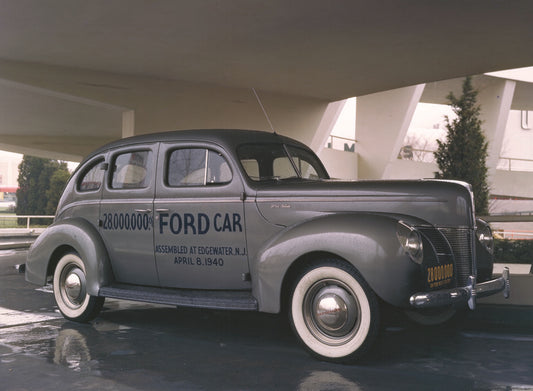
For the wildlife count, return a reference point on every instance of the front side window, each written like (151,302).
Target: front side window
(92,177)
(130,170)
(265,162)
(197,167)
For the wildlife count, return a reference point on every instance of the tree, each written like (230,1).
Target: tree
(463,155)
(41,182)
(58,180)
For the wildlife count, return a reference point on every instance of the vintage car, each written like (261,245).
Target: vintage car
(248,220)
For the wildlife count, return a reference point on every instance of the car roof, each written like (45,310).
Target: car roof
(227,138)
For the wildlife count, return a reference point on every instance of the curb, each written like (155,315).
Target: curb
(521,292)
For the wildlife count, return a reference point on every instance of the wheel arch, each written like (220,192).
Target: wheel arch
(296,268)
(56,255)
(71,235)
(368,242)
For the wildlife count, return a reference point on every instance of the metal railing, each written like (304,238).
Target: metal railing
(427,156)
(12,221)
(416,154)
(515,164)
(513,234)
(348,144)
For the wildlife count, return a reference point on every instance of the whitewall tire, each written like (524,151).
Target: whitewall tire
(70,290)
(333,311)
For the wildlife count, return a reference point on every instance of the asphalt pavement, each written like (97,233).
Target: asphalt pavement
(135,346)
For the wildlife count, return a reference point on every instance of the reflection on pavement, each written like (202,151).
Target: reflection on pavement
(72,346)
(72,351)
(327,380)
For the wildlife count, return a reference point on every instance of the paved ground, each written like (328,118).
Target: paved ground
(144,347)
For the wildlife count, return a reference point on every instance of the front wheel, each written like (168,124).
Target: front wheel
(70,290)
(437,317)
(334,312)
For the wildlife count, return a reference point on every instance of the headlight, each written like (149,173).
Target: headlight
(484,235)
(411,242)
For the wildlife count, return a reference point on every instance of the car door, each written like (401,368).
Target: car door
(199,229)
(126,214)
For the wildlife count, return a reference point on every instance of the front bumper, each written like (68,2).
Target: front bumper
(463,295)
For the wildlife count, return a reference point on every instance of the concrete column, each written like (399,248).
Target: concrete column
(331,114)
(382,122)
(339,164)
(495,101)
(128,123)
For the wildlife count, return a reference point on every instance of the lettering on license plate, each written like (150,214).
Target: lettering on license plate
(440,275)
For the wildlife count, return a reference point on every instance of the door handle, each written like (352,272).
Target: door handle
(143,210)
(161,210)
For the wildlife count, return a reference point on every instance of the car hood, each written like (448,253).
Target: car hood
(435,202)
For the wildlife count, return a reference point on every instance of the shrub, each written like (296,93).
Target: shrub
(513,251)
(462,155)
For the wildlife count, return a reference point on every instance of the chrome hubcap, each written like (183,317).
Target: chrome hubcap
(331,312)
(74,285)
(334,311)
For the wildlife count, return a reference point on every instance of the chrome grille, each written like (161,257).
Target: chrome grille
(460,240)
(439,243)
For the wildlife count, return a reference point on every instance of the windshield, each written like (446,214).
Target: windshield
(265,162)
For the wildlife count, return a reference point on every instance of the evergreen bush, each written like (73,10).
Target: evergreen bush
(463,155)
(513,251)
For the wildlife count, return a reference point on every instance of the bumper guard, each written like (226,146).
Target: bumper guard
(461,295)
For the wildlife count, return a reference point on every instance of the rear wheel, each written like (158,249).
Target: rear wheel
(333,311)
(70,290)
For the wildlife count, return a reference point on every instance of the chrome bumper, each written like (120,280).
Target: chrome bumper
(462,295)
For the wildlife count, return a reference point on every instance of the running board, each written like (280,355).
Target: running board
(227,300)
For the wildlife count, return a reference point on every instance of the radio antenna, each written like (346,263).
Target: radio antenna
(263,108)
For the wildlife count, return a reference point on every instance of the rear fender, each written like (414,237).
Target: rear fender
(77,235)
(367,241)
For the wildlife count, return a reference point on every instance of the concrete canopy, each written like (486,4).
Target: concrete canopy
(69,70)
(437,92)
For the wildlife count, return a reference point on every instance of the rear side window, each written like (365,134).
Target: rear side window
(91,179)
(267,162)
(131,170)
(197,167)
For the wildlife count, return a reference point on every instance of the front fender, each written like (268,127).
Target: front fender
(82,237)
(367,241)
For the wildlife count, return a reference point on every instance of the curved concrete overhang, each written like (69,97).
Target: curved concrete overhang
(75,74)
(437,92)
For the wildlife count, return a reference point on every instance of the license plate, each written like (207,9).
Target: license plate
(440,275)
